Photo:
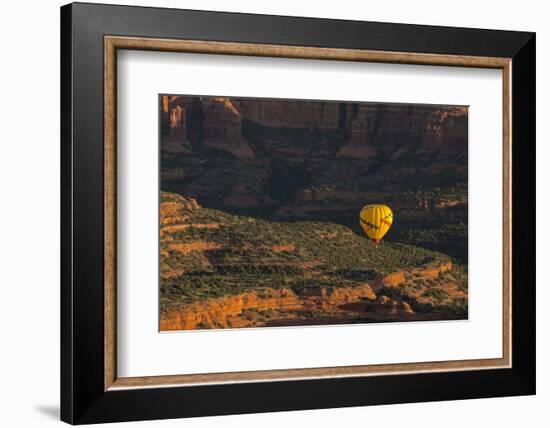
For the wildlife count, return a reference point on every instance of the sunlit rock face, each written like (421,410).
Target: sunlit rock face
(222,128)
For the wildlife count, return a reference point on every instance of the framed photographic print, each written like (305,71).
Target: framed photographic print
(265,213)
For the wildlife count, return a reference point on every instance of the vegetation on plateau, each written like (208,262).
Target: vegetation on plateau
(215,253)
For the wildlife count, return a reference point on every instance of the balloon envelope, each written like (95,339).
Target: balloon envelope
(376,220)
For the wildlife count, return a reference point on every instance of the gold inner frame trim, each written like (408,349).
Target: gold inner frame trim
(113,43)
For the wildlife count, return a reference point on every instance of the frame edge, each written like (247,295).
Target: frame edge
(524,215)
(66,316)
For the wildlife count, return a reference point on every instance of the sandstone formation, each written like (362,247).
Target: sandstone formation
(216,313)
(289,303)
(429,271)
(433,271)
(294,114)
(358,146)
(222,128)
(386,305)
(371,129)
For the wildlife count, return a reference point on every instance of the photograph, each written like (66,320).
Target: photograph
(281,212)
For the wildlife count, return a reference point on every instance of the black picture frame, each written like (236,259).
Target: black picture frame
(83,398)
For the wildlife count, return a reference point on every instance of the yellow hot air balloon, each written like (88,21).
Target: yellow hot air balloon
(376,220)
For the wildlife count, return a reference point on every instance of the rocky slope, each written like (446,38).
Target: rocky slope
(220,270)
